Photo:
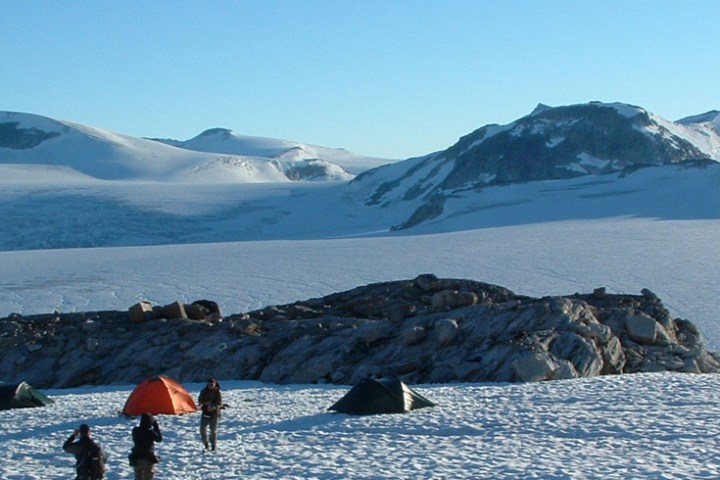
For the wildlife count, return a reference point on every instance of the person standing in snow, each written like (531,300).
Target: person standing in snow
(143,453)
(210,401)
(84,448)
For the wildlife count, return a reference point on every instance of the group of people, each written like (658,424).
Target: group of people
(90,459)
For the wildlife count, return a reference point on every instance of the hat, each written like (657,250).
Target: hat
(84,429)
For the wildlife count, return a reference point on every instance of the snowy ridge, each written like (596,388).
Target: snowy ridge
(704,130)
(27,139)
(342,163)
(624,109)
(103,154)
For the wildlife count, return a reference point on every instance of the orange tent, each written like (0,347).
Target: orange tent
(159,394)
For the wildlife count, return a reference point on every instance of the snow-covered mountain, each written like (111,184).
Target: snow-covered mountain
(704,131)
(28,139)
(45,203)
(293,156)
(550,143)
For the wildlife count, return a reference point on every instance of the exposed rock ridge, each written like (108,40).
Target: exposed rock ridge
(425,330)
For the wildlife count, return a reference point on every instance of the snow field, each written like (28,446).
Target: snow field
(650,426)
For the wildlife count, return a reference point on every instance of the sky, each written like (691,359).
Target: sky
(392,79)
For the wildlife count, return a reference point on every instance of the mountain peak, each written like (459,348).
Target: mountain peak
(219,131)
(541,107)
(625,109)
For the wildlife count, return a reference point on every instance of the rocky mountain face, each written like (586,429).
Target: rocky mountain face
(565,142)
(14,137)
(424,330)
(550,143)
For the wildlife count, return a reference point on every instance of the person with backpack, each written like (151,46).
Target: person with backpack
(210,401)
(143,458)
(89,456)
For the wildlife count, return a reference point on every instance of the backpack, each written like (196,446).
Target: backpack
(92,465)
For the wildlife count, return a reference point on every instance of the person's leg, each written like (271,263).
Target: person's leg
(144,470)
(213,431)
(203,430)
(150,472)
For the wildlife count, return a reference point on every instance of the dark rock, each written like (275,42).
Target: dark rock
(425,330)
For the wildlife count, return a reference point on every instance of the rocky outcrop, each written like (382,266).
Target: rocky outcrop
(424,330)
(14,137)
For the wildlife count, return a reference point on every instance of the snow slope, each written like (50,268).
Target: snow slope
(222,140)
(28,139)
(42,212)
(95,152)
(704,130)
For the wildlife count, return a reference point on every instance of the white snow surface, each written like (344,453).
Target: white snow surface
(644,426)
(226,141)
(704,135)
(108,155)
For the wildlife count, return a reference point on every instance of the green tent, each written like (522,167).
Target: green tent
(384,395)
(21,395)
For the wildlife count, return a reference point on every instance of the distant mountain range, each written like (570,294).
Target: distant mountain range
(64,184)
(216,155)
(549,143)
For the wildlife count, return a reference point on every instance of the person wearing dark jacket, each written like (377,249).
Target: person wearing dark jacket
(80,448)
(144,437)
(210,401)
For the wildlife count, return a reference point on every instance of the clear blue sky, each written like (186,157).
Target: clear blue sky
(387,78)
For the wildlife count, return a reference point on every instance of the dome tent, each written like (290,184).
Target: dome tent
(22,395)
(158,395)
(384,395)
